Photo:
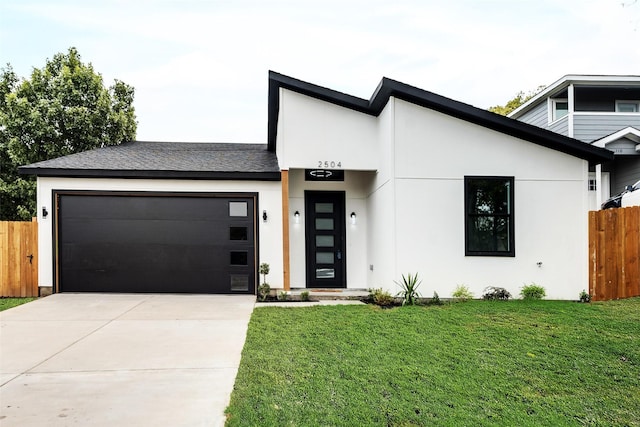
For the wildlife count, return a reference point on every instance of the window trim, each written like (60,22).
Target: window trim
(512,249)
(627,101)
(552,109)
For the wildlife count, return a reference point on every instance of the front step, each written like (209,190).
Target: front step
(330,294)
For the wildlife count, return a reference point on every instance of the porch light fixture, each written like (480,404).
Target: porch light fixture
(45,213)
(296,217)
(353,218)
(264,216)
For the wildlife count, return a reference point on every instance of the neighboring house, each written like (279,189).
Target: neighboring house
(347,193)
(603,111)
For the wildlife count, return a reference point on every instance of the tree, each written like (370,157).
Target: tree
(64,108)
(514,103)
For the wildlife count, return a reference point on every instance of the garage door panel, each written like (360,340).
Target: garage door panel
(174,250)
(152,231)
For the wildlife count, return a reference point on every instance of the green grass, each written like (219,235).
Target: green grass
(541,363)
(7,303)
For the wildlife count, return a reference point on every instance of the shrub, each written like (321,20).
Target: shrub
(283,296)
(584,296)
(263,291)
(462,293)
(495,293)
(304,295)
(409,292)
(532,292)
(380,297)
(436,299)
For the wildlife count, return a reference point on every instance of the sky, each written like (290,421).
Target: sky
(200,67)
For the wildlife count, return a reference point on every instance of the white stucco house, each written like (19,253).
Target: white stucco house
(348,193)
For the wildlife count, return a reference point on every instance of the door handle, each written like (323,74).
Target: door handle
(339,254)
(30,258)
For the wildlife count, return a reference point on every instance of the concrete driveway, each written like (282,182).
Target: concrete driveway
(121,359)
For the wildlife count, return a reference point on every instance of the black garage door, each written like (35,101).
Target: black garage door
(152,242)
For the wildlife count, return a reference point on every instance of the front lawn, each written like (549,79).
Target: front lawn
(468,364)
(7,303)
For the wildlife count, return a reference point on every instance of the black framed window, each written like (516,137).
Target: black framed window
(489,228)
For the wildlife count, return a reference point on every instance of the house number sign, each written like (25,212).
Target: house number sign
(326,164)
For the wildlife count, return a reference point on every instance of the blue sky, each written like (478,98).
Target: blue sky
(200,67)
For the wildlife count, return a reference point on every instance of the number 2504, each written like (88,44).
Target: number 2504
(327,164)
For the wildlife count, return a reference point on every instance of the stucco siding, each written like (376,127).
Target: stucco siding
(312,132)
(269,199)
(430,238)
(433,153)
(434,145)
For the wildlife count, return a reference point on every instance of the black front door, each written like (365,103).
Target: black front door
(325,239)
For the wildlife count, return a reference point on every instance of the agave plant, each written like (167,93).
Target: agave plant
(409,292)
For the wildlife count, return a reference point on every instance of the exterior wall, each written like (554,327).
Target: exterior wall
(412,199)
(550,207)
(269,199)
(538,116)
(311,132)
(605,186)
(591,126)
(381,205)
(560,126)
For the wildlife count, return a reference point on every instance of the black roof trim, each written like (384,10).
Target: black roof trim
(388,88)
(150,174)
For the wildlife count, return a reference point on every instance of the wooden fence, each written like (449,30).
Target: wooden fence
(614,253)
(18,259)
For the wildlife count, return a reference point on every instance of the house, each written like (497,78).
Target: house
(347,193)
(603,111)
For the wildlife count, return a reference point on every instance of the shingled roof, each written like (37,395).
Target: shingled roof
(140,159)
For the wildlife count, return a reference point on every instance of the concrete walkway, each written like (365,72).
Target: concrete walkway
(121,359)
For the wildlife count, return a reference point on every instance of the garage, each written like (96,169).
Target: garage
(155,242)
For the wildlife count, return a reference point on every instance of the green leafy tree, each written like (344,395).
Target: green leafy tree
(515,102)
(64,108)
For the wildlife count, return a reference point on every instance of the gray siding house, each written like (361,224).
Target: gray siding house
(599,110)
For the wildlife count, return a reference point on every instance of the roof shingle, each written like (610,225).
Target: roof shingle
(165,160)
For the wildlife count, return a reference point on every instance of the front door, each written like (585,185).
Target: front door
(325,239)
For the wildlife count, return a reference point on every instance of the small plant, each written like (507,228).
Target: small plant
(263,291)
(283,296)
(409,292)
(532,292)
(495,293)
(304,295)
(584,296)
(380,297)
(264,270)
(462,293)
(436,299)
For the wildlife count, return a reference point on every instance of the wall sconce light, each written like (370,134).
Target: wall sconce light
(353,218)
(264,216)
(296,217)
(45,213)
